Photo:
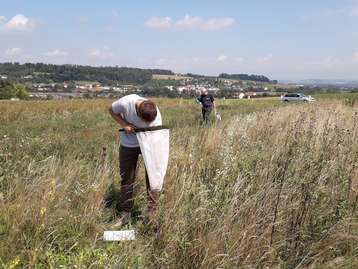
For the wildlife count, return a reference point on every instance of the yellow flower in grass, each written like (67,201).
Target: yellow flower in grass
(43,211)
(53,183)
(14,263)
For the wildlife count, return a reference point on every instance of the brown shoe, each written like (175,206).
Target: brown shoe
(123,219)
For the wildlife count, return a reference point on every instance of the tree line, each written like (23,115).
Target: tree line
(258,78)
(50,73)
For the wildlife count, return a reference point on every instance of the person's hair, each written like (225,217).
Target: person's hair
(147,111)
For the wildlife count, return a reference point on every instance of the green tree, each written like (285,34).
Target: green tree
(21,91)
(8,91)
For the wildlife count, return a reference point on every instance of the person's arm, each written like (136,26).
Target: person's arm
(129,128)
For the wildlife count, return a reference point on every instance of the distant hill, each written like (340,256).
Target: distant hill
(258,78)
(48,73)
(51,73)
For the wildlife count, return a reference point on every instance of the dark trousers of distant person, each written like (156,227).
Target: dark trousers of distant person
(206,111)
(128,159)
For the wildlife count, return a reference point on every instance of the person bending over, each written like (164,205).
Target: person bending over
(133,111)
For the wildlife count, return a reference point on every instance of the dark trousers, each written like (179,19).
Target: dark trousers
(128,158)
(206,111)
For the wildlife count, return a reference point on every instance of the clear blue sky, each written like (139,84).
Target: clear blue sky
(278,38)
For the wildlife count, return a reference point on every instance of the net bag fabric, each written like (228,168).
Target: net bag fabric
(154,146)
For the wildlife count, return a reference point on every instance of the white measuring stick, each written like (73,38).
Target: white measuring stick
(119,235)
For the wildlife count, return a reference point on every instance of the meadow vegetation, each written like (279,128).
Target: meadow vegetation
(271,186)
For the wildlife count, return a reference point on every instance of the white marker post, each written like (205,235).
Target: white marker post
(127,235)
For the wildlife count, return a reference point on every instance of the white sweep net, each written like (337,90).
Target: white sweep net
(154,146)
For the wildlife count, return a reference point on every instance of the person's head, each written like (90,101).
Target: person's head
(204,91)
(147,111)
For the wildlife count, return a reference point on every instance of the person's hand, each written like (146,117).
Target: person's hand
(129,128)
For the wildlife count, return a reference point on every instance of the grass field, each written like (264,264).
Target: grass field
(271,186)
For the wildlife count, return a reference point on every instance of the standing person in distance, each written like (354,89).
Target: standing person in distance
(207,103)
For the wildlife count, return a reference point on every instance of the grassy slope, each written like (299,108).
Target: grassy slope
(277,187)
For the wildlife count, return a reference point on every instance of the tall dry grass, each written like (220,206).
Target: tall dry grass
(277,188)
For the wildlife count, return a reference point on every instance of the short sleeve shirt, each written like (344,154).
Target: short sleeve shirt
(125,107)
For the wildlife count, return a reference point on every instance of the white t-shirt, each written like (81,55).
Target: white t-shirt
(125,106)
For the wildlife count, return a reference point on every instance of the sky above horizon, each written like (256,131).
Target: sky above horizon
(285,40)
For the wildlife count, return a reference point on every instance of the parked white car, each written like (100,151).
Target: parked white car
(296,97)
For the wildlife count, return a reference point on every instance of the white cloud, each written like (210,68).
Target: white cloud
(221,58)
(190,23)
(198,23)
(355,57)
(13,51)
(265,59)
(28,57)
(100,54)
(56,53)
(19,23)
(159,23)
